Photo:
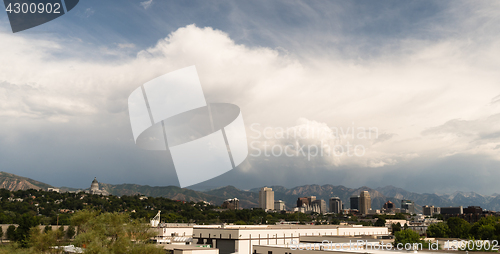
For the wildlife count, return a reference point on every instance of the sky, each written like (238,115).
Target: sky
(412,88)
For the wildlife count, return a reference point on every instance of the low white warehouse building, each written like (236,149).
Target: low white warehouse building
(241,239)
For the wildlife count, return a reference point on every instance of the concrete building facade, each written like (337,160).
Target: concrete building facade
(430,210)
(279,205)
(318,206)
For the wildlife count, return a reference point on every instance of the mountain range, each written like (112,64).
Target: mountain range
(250,198)
(14,182)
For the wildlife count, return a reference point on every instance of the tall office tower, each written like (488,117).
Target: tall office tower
(407,206)
(266,198)
(354,202)
(365,202)
(335,205)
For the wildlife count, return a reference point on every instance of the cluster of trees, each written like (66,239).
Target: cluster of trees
(487,228)
(52,208)
(98,232)
(28,222)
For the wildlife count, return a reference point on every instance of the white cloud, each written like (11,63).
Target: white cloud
(89,12)
(126,45)
(146,4)
(403,94)
(320,144)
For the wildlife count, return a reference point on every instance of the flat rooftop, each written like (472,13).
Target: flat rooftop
(371,251)
(183,247)
(341,238)
(246,227)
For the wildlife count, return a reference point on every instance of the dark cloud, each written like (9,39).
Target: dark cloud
(431,175)
(73,129)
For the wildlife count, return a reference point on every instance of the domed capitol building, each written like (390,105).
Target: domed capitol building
(94,188)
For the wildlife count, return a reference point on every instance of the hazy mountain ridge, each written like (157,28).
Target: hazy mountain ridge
(14,182)
(247,199)
(250,198)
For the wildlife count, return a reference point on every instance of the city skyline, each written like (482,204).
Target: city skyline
(306,204)
(249,127)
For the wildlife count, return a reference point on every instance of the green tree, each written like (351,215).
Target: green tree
(497,232)
(459,228)
(484,229)
(70,232)
(47,229)
(26,222)
(60,231)
(240,222)
(1,234)
(439,229)
(409,236)
(113,233)
(438,216)
(82,217)
(335,221)
(43,242)
(380,222)
(395,228)
(486,232)
(11,233)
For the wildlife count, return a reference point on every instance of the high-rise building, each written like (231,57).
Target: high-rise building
(279,205)
(318,206)
(311,199)
(354,202)
(388,205)
(302,202)
(428,210)
(335,205)
(407,206)
(365,202)
(266,198)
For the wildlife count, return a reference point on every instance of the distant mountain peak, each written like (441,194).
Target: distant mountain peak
(14,182)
